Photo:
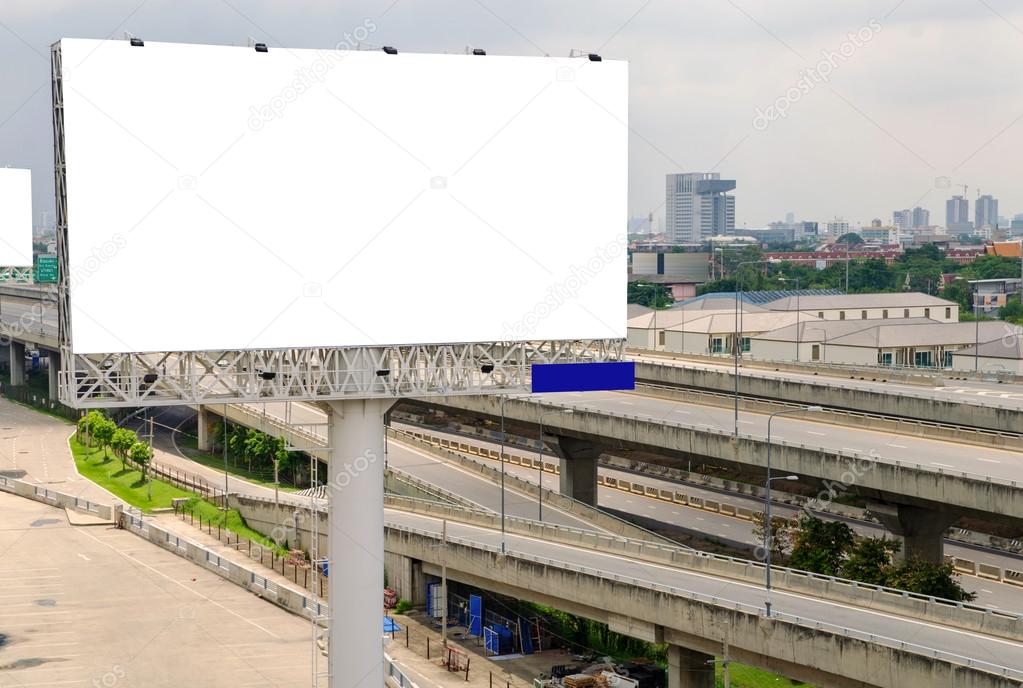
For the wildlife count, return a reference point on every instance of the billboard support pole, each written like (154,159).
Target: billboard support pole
(356,540)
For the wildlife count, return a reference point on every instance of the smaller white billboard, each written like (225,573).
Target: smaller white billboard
(15,217)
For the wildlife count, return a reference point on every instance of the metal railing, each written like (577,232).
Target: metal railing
(672,553)
(837,383)
(859,456)
(723,602)
(834,410)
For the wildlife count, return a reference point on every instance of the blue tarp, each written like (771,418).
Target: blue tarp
(390,625)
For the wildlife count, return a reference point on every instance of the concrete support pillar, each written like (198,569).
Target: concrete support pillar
(204,441)
(52,370)
(689,668)
(578,478)
(17,363)
(356,542)
(922,531)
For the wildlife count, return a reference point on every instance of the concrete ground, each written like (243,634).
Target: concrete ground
(86,606)
(96,606)
(33,447)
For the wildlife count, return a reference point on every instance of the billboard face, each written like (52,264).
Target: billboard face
(303,198)
(15,217)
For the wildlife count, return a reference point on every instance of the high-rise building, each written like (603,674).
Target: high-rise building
(836,227)
(921,218)
(903,219)
(986,212)
(957,214)
(697,206)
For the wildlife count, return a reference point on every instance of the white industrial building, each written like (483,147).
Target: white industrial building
(916,342)
(886,306)
(714,332)
(1002,355)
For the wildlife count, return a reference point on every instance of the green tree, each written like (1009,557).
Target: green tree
(87,425)
(121,443)
(958,291)
(1012,311)
(870,560)
(141,454)
(103,430)
(820,546)
(781,532)
(992,267)
(649,294)
(938,580)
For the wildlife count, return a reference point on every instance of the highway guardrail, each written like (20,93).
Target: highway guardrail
(864,595)
(717,601)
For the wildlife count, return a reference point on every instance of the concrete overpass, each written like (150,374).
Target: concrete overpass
(829,631)
(813,640)
(919,487)
(28,317)
(978,404)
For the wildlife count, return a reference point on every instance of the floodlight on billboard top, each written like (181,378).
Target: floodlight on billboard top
(15,217)
(295,199)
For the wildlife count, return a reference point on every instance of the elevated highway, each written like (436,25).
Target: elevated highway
(857,640)
(986,405)
(810,639)
(919,487)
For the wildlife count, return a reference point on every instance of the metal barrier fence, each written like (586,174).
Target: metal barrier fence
(960,432)
(729,604)
(392,672)
(955,613)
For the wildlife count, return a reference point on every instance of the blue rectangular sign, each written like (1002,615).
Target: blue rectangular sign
(583,377)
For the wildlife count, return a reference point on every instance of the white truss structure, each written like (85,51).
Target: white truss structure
(312,374)
(16,274)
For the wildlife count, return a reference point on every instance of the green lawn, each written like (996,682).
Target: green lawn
(230,520)
(742,676)
(125,482)
(189,446)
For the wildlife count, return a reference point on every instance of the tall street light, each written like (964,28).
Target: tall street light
(736,342)
(539,494)
(768,531)
(504,400)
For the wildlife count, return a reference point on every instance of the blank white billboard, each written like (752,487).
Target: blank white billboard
(304,198)
(15,217)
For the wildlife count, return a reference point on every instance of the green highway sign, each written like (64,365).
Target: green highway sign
(46,269)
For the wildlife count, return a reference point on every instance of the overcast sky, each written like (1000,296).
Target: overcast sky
(926,93)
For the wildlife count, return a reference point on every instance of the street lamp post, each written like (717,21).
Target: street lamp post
(504,400)
(736,341)
(797,315)
(539,494)
(768,532)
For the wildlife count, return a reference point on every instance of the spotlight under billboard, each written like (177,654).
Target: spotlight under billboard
(15,217)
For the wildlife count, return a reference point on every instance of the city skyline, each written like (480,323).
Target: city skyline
(844,146)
